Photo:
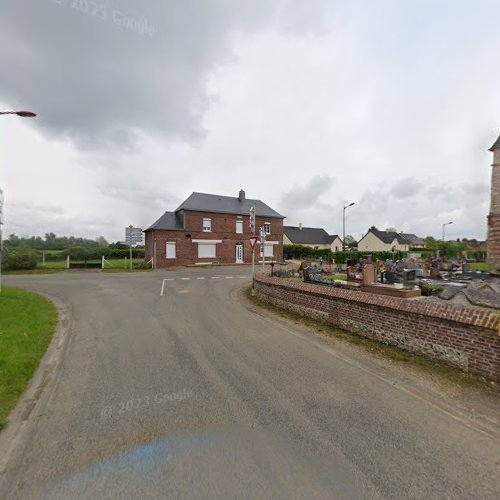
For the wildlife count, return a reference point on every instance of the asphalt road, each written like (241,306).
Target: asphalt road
(193,395)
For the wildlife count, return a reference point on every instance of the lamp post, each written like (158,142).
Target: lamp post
(23,114)
(343,225)
(444,225)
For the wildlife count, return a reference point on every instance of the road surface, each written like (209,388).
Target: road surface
(193,395)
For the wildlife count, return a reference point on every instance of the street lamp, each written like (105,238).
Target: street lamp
(444,225)
(23,114)
(343,224)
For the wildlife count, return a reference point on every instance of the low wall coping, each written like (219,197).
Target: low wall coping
(449,312)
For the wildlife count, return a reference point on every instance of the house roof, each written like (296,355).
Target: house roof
(389,236)
(204,202)
(308,235)
(496,145)
(332,237)
(169,220)
(413,239)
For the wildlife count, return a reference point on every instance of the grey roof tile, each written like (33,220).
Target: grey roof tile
(204,202)
(308,235)
(496,145)
(169,220)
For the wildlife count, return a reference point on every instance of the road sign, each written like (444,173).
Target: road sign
(253,241)
(133,236)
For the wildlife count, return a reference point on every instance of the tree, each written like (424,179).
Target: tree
(373,228)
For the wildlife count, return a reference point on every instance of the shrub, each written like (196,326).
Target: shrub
(18,258)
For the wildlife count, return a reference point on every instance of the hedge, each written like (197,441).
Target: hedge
(21,259)
(304,252)
(81,253)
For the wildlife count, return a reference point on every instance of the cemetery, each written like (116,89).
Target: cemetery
(433,307)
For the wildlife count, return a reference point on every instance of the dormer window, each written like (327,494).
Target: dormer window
(207,225)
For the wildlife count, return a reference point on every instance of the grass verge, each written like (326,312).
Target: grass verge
(403,358)
(27,323)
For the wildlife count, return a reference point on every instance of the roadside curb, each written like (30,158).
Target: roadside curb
(40,387)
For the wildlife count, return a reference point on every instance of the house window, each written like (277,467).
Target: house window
(267,227)
(239,227)
(207,225)
(206,250)
(170,249)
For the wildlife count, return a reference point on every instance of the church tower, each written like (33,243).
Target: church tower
(493,243)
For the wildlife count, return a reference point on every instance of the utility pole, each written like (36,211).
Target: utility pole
(252,230)
(130,242)
(263,246)
(444,225)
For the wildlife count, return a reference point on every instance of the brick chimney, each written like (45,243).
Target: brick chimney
(241,196)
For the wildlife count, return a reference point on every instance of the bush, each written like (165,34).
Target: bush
(303,252)
(18,258)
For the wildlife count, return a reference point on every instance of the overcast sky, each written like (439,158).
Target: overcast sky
(305,104)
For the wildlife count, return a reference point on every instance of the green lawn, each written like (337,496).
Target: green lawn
(481,266)
(109,264)
(27,322)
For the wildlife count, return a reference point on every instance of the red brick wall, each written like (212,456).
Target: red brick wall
(223,228)
(460,336)
(493,243)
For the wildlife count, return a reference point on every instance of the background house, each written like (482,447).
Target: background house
(414,240)
(313,237)
(209,228)
(379,241)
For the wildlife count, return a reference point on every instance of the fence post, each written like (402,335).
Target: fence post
(67,262)
(125,262)
(102,262)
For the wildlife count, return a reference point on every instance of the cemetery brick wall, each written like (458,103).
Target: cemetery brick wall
(463,337)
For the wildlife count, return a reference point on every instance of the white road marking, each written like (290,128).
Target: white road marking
(200,278)
(215,277)
(228,277)
(169,279)
(185,279)
(243,277)
(162,287)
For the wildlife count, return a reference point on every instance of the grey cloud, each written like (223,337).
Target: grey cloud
(306,195)
(98,83)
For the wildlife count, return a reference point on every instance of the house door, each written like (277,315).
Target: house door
(239,253)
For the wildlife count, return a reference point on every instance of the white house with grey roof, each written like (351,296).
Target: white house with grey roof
(313,237)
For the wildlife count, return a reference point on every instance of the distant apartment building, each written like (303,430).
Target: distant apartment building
(210,228)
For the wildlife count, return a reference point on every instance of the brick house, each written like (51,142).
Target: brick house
(208,228)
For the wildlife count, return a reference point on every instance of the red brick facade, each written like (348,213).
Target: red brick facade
(460,336)
(223,229)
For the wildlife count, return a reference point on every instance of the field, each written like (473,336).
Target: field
(109,264)
(27,322)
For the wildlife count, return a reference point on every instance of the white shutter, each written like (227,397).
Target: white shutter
(239,226)
(206,250)
(171,250)
(268,250)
